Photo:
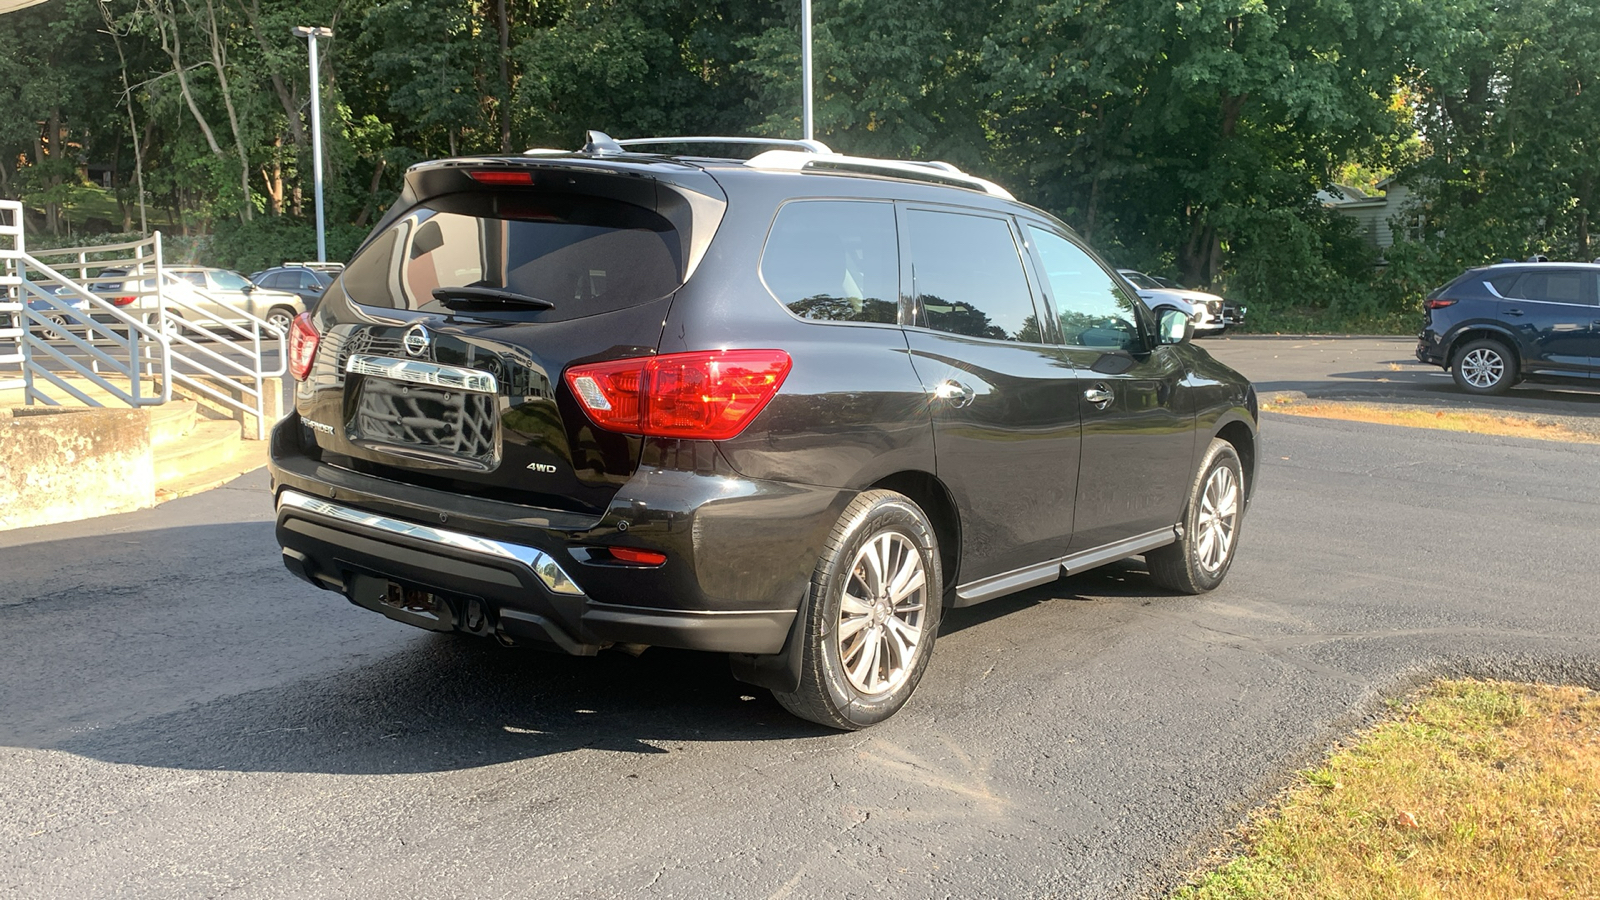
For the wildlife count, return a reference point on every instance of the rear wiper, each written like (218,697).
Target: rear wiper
(465,298)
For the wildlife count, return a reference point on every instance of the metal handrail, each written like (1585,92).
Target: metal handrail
(162,346)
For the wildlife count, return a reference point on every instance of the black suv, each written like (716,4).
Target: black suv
(788,408)
(1496,325)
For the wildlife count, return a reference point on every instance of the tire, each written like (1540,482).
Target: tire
(56,330)
(1485,366)
(280,317)
(841,686)
(1199,560)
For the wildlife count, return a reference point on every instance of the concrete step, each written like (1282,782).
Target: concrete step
(171,422)
(252,455)
(209,445)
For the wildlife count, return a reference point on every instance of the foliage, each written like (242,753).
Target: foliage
(1186,139)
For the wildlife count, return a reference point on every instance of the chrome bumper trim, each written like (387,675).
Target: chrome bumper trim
(417,371)
(536,561)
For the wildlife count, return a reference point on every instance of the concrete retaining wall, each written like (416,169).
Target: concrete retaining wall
(60,465)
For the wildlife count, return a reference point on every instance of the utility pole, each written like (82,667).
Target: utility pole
(805,67)
(312,34)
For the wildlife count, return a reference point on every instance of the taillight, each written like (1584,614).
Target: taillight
(303,340)
(123,301)
(709,396)
(1438,303)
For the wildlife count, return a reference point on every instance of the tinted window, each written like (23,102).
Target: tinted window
(837,260)
(1555,286)
(968,277)
(586,255)
(278,281)
(1505,285)
(1093,309)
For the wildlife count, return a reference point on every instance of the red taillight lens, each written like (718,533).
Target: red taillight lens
(123,301)
(303,340)
(638,557)
(501,176)
(1438,303)
(708,396)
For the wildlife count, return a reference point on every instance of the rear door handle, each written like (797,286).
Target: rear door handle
(1514,312)
(958,394)
(1099,396)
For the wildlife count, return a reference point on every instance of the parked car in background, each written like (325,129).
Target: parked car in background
(201,294)
(1208,312)
(1233,314)
(302,281)
(1497,325)
(61,321)
(789,408)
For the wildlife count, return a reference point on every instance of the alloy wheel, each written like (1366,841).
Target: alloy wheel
(1218,518)
(1482,368)
(881,614)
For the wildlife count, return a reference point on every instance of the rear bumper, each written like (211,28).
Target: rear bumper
(739,557)
(1431,349)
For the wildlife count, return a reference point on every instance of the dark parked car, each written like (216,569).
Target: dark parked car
(788,408)
(1497,325)
(302,281)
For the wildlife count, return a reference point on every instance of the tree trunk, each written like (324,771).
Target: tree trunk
(372,194)
(52,211)
(219,62)
(166,17)
(272,176)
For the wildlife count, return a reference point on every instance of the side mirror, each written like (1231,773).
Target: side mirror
(1174,326)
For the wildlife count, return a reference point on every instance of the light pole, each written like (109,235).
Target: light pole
(805,66)
(312,34)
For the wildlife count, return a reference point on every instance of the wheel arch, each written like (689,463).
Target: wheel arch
(1244,439)
(1480,331)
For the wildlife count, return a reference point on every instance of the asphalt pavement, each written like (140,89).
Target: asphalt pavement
(181,718)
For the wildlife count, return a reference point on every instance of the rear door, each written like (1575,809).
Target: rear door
(1138,421)
(471,398)
(1553,311)
(1004,415)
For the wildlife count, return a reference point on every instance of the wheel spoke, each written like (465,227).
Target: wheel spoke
(851,605)
(851,627)
(865,671)
(910,587)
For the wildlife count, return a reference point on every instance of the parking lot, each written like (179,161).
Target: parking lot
(181,718)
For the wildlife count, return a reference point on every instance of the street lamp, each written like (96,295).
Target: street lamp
(303,31)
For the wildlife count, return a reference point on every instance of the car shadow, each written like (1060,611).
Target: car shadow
(456,703)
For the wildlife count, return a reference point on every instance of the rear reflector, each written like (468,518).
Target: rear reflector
(640,557)
(501,176)
(707,396)
(1439,303)
(303,340)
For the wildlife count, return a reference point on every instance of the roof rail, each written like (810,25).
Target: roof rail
(804,146)
(937,172)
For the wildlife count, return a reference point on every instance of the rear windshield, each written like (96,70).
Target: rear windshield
(586,255)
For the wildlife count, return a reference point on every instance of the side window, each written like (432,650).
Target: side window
(308,280)
(1094,310)
(1559,286)
(1505,285)
(277,281)
(835,260)
(968,276)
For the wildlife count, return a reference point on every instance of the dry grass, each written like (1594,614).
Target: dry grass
(1473,422)
(1474,789)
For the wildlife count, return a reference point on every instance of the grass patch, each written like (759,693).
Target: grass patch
(1470,421)
(1472,789)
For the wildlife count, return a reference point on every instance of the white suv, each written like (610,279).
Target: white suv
(1208,312)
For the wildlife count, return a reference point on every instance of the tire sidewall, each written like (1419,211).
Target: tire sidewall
(1507,371)
(1220,454)
(892,513)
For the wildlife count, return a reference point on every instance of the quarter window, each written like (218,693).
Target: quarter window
(1094,310)
(835,260)
(968,276)
(1557,286)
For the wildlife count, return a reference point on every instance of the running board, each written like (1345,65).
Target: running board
(976,592)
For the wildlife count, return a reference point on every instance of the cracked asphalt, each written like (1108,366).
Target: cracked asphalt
(181,718)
